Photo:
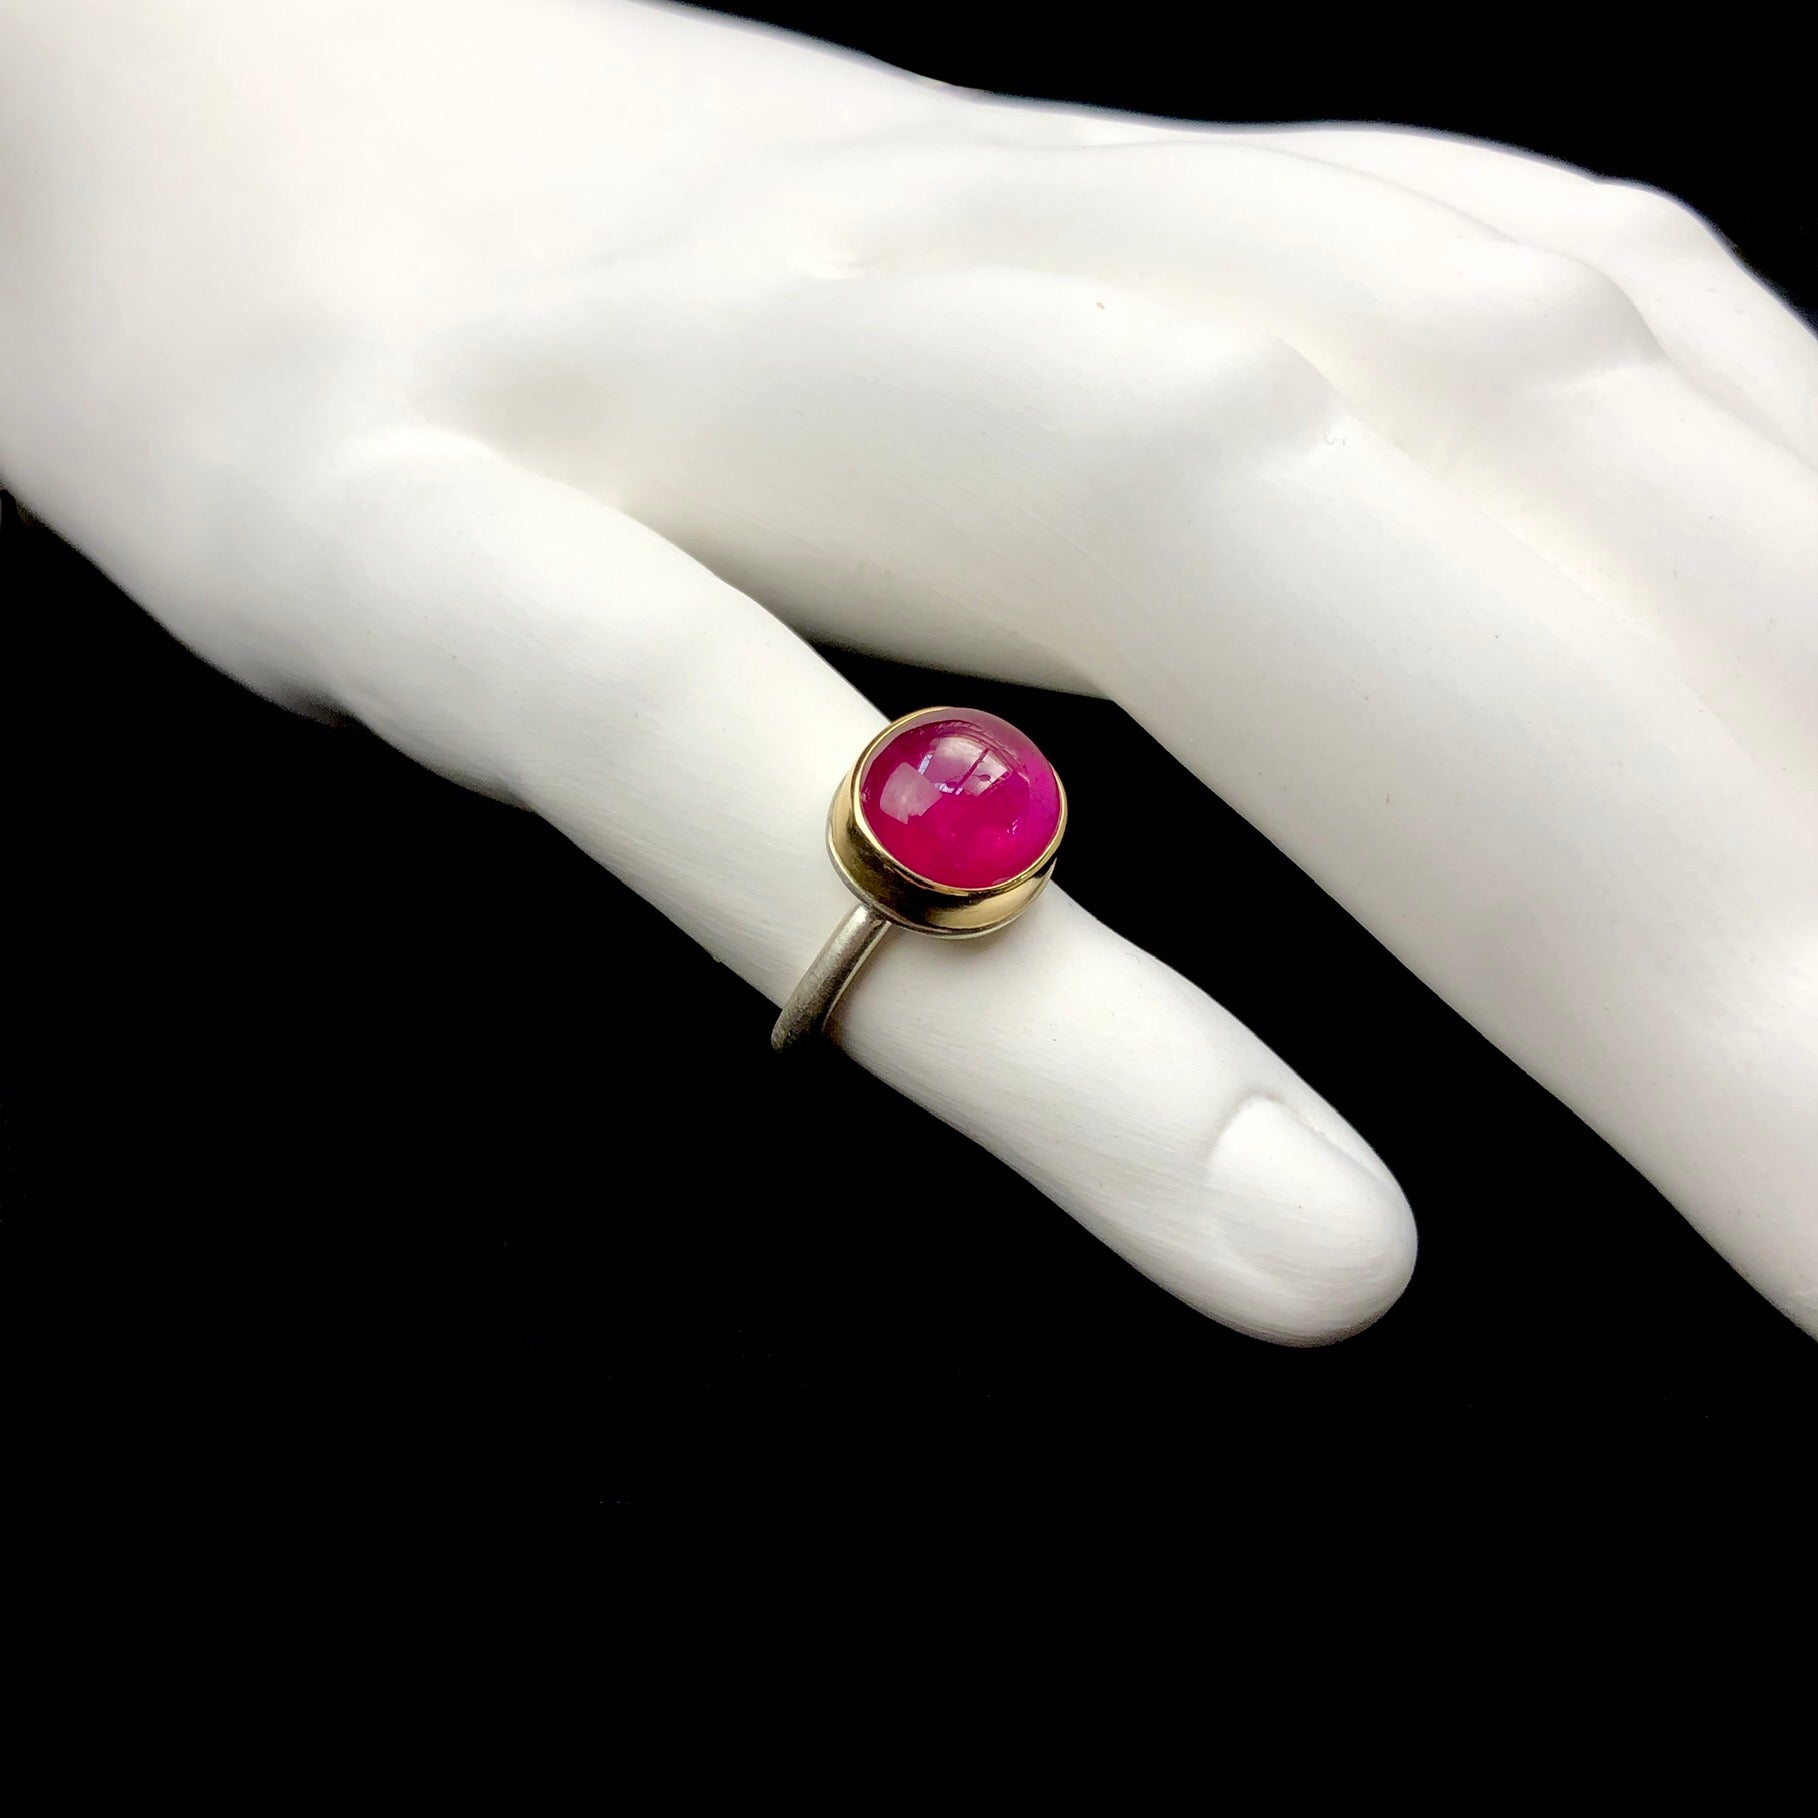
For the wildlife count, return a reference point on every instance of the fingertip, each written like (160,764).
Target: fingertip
(1324,1243)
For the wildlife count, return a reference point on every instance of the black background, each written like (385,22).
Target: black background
(326,1169)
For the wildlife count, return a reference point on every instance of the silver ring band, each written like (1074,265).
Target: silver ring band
(834,968)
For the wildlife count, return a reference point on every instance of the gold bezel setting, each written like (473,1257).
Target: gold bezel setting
(903,896)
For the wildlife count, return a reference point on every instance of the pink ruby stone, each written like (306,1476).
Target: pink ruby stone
(961,798)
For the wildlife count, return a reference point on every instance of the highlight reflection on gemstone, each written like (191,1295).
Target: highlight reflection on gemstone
(961,798)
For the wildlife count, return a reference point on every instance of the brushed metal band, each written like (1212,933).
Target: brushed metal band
(834,968)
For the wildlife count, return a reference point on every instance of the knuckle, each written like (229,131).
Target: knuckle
(1527,289)
(1232,391)
(1258,378)
(1512,307)
(1638,211)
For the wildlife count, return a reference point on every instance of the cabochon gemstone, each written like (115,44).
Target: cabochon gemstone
(961,798)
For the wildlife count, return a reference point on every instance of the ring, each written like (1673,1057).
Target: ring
(948,824)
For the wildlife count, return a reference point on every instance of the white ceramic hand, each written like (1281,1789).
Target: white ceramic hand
(473,368)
